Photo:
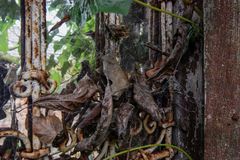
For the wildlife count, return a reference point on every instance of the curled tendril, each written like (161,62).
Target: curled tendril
(136,130)
(53,86)
(21,88)
(17,134)
(24,87)
(149,127)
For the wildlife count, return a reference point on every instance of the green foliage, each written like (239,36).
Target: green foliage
(74,47)
(9,9)
(115,6)
(56,75)
(4,26)
(51,62)
(81,10)
(89,26)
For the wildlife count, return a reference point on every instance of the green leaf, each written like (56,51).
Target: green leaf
(56,75)
(58,45)
(90,25)
(9,9)
(65,67)
(51,62)
(4,26)
(115,6)
(4,42)
(64,57)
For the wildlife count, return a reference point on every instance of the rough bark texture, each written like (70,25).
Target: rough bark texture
(222,79)
(188,106)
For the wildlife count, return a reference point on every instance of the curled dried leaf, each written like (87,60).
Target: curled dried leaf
(115,74)
(85,89)
(47,128)
(100,134)
(146,102)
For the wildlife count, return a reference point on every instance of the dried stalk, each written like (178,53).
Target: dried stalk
(169,27)
(163,27)
(35,154)
(159,155)
(103,151)
(159,141)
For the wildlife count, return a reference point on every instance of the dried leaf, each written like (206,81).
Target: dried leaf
(90,115)
(100,134)
(123,116)
(157,65)
(86,88)
(114,72)
(46,128)
(145,100)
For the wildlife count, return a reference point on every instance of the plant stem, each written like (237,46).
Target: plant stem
(8,58)
(148,146)
(165,11)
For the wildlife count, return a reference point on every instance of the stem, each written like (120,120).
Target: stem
(13,48)
(148,146)
(9,58)
(164,11)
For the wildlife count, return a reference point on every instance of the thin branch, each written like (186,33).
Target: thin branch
(165,11)
(8,58)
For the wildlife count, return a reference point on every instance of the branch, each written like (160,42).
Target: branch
(66,18)
(8,58)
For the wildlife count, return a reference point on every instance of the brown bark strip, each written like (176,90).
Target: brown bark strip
(222,79)
(177,52)
(23,30)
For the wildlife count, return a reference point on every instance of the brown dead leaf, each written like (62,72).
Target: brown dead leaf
(158,64)
(100,134)
(123,116)
(114,72)
(46,128)
(145,100)
(86,88)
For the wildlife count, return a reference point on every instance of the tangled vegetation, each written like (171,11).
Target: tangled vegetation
(98,108)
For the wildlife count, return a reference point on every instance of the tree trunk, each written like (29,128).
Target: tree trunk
(222,79)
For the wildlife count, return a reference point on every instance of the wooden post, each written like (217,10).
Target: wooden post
(222,79)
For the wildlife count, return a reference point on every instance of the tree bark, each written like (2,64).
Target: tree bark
(222,79)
